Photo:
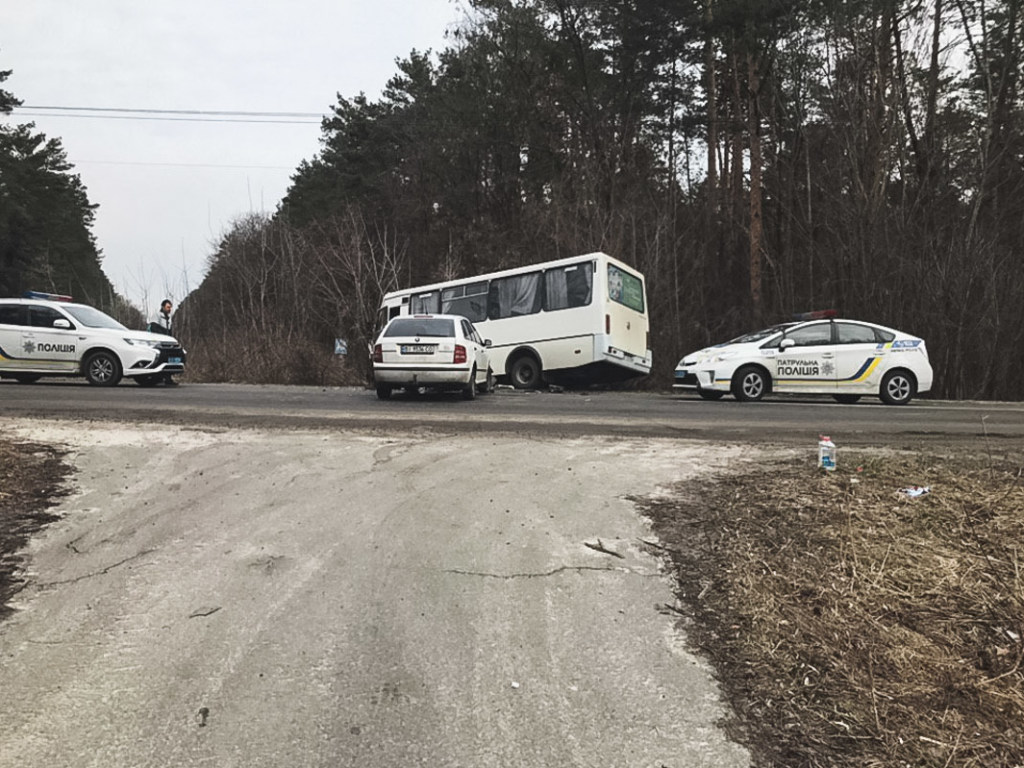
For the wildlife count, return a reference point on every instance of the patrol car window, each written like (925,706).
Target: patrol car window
(12,314)
(43,317)
(421,326)
(811,335)
(884,337)
(93,317)
(749,338)
(851,333)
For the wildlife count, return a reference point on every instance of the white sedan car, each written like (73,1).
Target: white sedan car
(823,355)
(436,351)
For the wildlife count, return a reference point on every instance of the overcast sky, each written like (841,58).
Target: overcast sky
(168,189)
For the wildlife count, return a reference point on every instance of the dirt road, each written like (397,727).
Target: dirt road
(269,598)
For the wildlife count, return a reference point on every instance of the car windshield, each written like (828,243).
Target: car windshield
(760,335)
(93,318)
(421,326)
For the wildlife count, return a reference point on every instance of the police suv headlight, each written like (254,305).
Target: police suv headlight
(143,343)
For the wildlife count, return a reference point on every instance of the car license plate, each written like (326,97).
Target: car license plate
(174,360)
(417,349)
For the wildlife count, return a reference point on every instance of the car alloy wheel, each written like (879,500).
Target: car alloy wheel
(898,388)
(749,384)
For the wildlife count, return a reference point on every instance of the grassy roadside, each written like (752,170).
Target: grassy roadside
(853,625)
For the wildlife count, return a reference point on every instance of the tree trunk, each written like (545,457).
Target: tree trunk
(754,126)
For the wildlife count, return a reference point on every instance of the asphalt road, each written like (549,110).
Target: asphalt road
(777,420)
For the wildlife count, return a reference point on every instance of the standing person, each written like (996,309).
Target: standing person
(161,323)
(161,320)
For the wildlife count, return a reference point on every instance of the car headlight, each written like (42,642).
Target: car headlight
(722,356)
(143,343)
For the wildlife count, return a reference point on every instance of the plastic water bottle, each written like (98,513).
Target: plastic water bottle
(826,453)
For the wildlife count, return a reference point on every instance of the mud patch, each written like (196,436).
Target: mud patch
(33,478)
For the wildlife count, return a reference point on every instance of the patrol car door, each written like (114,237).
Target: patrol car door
(805,361)
(859,358)
(12,321)
(48,346)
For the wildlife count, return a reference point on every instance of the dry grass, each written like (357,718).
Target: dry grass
(852,625)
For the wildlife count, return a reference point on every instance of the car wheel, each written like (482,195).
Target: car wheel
(102,369)
(147,381)
(383,392)
(488,385)
(898,387)
(26,378)
(749,384)
(710,394)
(469,391)
(846,399)
(525,373)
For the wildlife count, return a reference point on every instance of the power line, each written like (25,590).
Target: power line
(178,111)
(172,119)
(172,115)
(186,165)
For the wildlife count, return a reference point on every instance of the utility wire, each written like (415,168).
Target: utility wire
(186,165)
(173,119)
(173,115)
(178,111)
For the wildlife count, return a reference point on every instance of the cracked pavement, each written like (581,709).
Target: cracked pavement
(324,598)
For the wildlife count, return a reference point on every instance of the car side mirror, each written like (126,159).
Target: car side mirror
(62,323)
(786,344)
(487,342)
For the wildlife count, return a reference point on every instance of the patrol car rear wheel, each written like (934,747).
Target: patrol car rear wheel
(898,387)
(750,384)
(383,392)
(102,369)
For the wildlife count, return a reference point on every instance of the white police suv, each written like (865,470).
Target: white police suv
(47,335)
(819,354)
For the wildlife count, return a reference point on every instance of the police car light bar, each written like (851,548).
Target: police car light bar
(45,296)
(821,314)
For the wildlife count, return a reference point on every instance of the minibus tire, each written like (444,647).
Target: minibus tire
(525,372)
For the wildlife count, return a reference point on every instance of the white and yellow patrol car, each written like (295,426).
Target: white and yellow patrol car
(48,335)
(818,354)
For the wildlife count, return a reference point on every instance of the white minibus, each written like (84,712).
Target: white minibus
(578,320)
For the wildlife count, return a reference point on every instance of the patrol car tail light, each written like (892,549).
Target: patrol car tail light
(460,354)
(378,353)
